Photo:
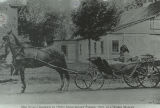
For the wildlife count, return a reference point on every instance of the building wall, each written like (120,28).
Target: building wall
(11,17)
(138,44)
(140,39)
(69,49)
(10,21)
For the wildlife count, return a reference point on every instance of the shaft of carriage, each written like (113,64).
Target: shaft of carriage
(83,79)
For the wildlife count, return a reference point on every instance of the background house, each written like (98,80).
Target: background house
(69,48)
(9,17)
(139,29)
(8,13)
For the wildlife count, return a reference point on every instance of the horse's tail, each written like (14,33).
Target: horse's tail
(60,62)
(60,59)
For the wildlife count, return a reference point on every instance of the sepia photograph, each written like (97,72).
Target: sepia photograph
(80,53)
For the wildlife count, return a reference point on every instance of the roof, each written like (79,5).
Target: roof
(135,16)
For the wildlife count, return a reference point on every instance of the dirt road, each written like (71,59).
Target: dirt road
(42,85)
(47,94)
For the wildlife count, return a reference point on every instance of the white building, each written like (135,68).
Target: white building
(9,15)
(139,29)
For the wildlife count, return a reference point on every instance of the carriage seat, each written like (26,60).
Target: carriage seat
(101,64)
(108,68)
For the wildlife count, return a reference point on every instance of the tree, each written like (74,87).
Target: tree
(132,4)
(95,18)
(41,22)
(139,3)
(31,19)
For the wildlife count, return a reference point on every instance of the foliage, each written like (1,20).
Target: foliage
(132,4)
(40,23)
(95,18)
(139,3)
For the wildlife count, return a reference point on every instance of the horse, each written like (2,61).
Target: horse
(23,57)
(14,71)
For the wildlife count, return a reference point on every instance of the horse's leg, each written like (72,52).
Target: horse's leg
(12,70)
(22,79)
(62,81)
(61,78)
(68,79)
(15,71)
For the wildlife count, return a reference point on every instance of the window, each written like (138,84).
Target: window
(80,49)
(95,47)
(102,47)
(155,24)
(115,46)
(64,49)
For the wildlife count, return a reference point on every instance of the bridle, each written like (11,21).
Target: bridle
(15,54)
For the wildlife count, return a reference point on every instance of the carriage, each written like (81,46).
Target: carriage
(142,72)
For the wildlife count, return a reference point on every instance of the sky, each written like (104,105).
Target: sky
(11,1)
(2,1)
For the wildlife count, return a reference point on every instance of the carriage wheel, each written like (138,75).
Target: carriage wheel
(149,77)
(97,78)
(83,80)
(97,82)
(131,79)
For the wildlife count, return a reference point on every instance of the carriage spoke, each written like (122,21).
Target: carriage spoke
(97,82)
(83,81)
(131,78)
(150,77)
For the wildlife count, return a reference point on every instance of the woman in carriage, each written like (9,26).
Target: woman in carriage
(120,63)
